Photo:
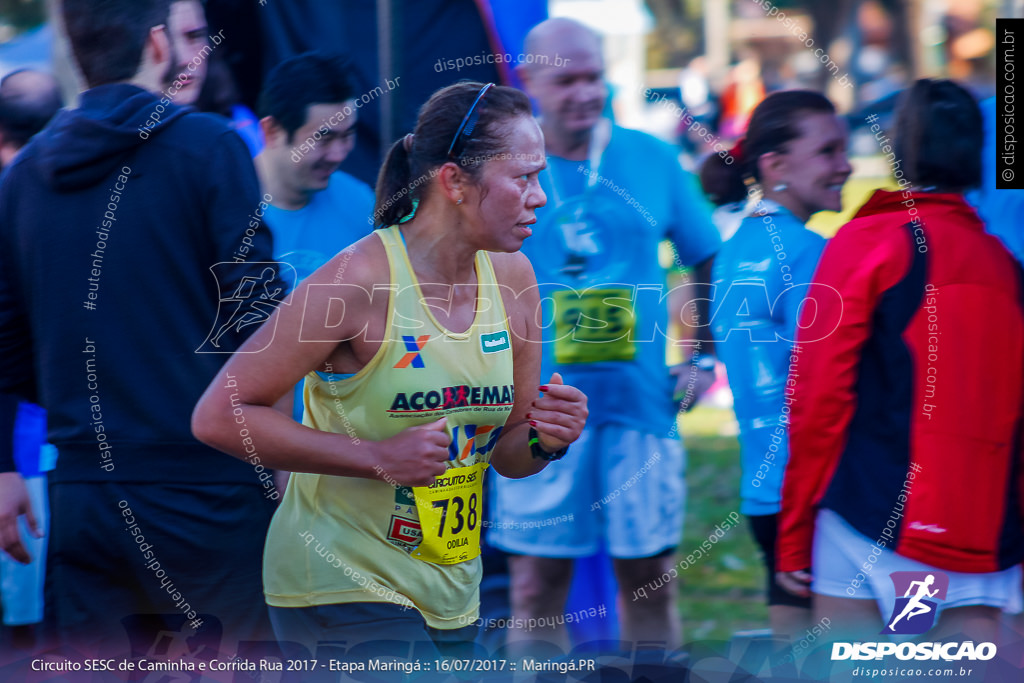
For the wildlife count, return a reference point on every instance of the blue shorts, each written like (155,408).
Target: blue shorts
(618,487)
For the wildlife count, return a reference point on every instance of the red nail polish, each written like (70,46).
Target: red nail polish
(533,423)
(528,416)
(544,387)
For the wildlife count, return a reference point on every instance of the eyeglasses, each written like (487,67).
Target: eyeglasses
(465,131)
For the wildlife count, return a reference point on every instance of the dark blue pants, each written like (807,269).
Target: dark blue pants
(206,544)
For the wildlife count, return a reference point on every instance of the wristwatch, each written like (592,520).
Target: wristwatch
(538,452)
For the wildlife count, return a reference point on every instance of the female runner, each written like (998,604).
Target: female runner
(421,353)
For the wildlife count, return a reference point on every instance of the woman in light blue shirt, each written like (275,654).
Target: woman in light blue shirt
(795,151)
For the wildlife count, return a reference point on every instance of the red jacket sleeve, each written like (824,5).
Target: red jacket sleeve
(859,264)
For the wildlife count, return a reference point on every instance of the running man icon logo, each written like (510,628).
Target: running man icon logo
(245,302)
(915,612)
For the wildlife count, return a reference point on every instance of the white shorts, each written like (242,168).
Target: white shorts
(618,487)
(837,566)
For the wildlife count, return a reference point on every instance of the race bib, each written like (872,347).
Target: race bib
(594,325)
(450,515)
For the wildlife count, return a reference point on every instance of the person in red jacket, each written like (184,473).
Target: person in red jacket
(905,430)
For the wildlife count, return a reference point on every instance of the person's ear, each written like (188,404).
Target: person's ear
(272,130)
(452,182)
(772,167)
(157,51)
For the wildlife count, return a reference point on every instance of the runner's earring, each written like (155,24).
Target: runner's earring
(458,201)
(781,187)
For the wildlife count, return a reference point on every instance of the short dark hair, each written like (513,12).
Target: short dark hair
(938,135)
(23,114)
(108,36)
(298,82)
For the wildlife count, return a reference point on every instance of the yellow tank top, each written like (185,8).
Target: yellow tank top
(346,539)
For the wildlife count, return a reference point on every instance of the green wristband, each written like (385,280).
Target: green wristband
(536,451)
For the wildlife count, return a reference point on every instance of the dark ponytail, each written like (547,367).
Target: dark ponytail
(394,198)
(408,170)
(774,123)
(722,177)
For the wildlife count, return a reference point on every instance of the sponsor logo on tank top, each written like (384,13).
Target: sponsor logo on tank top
(446,398)
(469,439)
(493,343)
(413,357)
(404,532)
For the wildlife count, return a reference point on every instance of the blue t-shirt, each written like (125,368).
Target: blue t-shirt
(1002,210)
(759,279)
(309,237)
(336,217)
(603,290)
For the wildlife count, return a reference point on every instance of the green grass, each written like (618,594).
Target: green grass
(722,592)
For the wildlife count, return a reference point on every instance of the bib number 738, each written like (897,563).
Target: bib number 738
(450,514)
(457,505)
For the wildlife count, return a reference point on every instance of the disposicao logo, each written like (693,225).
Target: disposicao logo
(914,613)
(492,343)
(918,595)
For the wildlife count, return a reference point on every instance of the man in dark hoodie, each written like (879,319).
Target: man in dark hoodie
(116,267)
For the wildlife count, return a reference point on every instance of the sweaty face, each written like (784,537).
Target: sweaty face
(509,192)
(321,144)
(571,96)
(816,165)
(188,35)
